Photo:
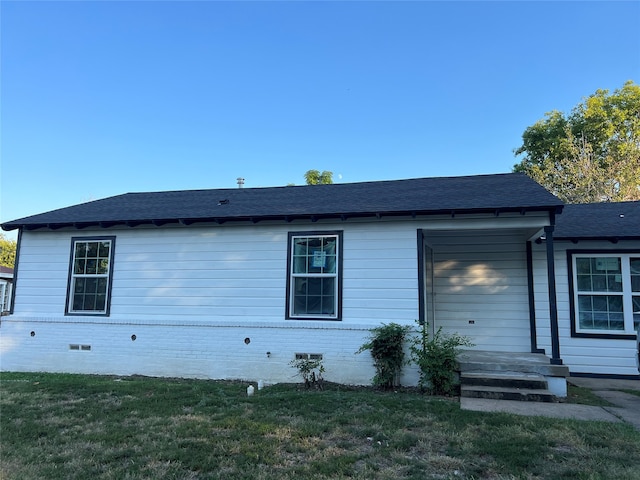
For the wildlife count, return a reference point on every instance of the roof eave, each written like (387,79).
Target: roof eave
(313,217)
(594,238)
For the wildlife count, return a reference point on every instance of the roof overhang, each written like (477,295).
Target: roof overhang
(313,217)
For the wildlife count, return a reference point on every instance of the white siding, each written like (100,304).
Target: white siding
(582,355)
(192,295)
(480,283)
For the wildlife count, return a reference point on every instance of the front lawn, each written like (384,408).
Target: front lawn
(95,427)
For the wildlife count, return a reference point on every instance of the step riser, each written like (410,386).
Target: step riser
(518,396)
(506,383)
(541,369)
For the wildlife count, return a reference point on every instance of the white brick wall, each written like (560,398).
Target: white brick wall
(216,352)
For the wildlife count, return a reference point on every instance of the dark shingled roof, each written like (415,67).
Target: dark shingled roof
(610,221)
(481,193)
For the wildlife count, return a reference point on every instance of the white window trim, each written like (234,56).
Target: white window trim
(5,296)
(336,275)
(626,293)
(73,276)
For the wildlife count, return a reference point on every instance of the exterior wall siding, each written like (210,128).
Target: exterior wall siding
(582,355)
(480,283)
(184,299)
(191,296)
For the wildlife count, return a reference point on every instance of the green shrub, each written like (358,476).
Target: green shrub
(311,371)
(436,359)
(386,344)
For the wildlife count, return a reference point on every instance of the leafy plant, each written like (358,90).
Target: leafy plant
(311,371)
(436,359)
(386,344)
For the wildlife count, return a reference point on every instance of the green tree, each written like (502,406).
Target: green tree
(314,177)
(591,154)
(7,251)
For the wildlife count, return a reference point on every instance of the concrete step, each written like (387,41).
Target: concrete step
(477,360)
(506,393)
(504,379)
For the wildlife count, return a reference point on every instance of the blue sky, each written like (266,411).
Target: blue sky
(103,98)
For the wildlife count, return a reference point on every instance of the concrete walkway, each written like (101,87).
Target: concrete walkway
(626,406)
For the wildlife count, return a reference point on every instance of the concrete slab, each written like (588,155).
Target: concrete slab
(605,383)
(552,410)
(627,405)
(631,417)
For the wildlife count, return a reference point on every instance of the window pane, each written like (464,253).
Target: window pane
(300,246)
(91,285)
(79,285)
(103,249)
(103,266)
(92,249)
(635,274)
(317,260)
(314,255)
(78,301)
(601,312)
(614,283)
(636,313)
(584,283)
(100,301)
(89,302)
(102,285)
(599,283)
(314,295)
(583,266)
(599,274)
(586,320)
(92,267)
(81,249)
(79,266)
(300,251)
(585,303)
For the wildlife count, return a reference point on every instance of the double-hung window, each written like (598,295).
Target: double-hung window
(314,276)
(90,275)
(606,293)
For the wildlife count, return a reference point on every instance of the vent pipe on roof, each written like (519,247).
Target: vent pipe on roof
(240,182)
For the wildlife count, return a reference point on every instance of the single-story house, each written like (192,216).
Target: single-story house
(234,283)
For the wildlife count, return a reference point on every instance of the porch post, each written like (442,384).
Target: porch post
(421,286)
(532,301)
(553,306)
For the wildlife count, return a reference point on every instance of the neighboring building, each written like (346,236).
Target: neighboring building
(6,284)
(233,283)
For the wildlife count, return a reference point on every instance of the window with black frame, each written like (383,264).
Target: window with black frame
(90,276)
(606,291)
(314,276)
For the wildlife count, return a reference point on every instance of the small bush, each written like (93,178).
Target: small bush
(311,372)
(436,359)
(386,344)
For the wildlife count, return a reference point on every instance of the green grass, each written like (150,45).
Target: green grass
(631,392)
(585,396)
(97,427)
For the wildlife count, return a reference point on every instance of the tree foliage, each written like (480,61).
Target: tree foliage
(7,251)
(315,177)
(591,154)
